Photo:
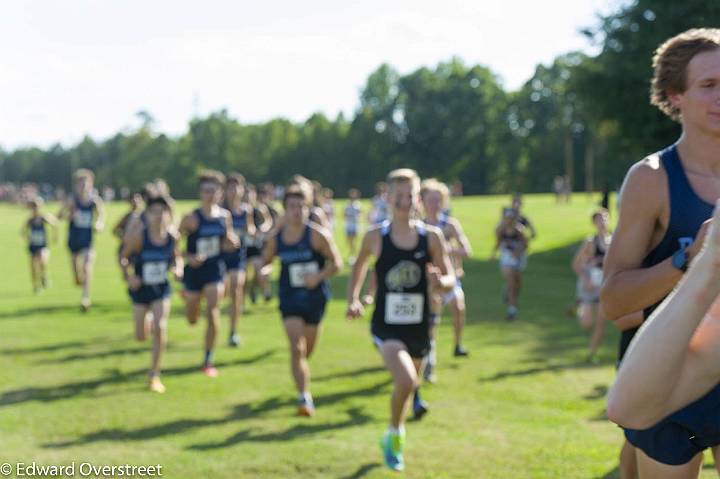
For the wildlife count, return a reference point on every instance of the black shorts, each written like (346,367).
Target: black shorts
(147,295)
(252,252)
(311,312)
(417,346)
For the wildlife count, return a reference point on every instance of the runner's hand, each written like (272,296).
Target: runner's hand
(355,309)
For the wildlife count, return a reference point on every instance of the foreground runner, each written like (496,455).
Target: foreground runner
(86,214)
(309,257)
(208,229)
(663,203)
(435,199)
(152,251)
(411,257)
(236,259)
(36,234)
(588,265)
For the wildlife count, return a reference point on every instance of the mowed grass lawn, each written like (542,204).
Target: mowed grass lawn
(524,404)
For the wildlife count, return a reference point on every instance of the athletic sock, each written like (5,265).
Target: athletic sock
(208,357)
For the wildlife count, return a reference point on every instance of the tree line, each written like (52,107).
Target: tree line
(586,116)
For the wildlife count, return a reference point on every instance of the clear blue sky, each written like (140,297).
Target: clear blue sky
(86,67)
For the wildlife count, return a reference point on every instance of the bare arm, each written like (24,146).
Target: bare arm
(65,210)
(131,246)
(100,209)
(370,246)
(250,222)
(581,258)
(323,242)
(628,287)
(442,274)
(464,250)
(629,321)
(674,359)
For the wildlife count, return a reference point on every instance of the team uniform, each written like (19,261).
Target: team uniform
(510,244)
(38,235)
(298,260)
(448,297)
(402,308)
(380,211)
(236,259)
(151,266)
(352,218)
(676,439)
(80,234)
(205,240)
(594,271)
(254,245)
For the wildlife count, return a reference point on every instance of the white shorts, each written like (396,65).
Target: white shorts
(453,293)
(509,261)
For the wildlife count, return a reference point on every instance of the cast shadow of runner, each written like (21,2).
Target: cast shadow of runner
(113,376)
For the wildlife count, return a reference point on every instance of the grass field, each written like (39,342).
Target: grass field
(524,404)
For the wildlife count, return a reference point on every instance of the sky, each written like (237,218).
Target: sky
(86,67)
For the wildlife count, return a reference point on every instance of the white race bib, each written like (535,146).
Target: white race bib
(298,271)
(208,247)
(402,308)
(596,277)
(82,218)
(37,238)
(154,272)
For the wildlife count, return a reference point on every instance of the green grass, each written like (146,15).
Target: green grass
(523,405)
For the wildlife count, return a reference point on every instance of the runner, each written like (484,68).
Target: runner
(309,257)
(86,214)
(664,201)
(208,230)
(588,265)
(436,199)
(353,211)
(36,234)
(136,202)
(264,225)
(512,244)
(236,259)
(153,251)
(411,257)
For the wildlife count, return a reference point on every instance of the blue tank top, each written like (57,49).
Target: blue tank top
(687,213)
(207,238)
(38,237)
(297,260)
(81,222)
(153,261)
(239,221)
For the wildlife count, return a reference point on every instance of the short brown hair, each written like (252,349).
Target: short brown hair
(670,64)
(211,176)
(404,175)
(236,178)
(83,173)
(294,190)
(599,212)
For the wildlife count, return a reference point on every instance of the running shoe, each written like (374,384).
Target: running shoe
(306,407)
(234,340)
(156,385)
(460,352)
(210,371)
(392,447)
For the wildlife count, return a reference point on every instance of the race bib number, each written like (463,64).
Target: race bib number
(208,247)
(596,277)
(298,271)
(401,308)
(82,218)
(154,273)
(37,238)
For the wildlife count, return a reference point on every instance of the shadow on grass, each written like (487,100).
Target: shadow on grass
(356,417)
(114,376)
(542,369)
(349,374)
(49,348)
(598,392)
(363,470)
(238,413)
(97,308)
(614,473)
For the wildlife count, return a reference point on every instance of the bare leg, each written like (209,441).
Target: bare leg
(650,469)
(628,461)
(295,329)
(598,330)
(192,306)
(160,313)
(457,307)
(236,293)
(140,321)
(213,295)
(403,370)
